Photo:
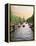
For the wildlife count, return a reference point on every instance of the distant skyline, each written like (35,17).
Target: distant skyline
(22,11)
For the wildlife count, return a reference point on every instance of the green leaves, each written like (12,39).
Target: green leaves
(30,20)
(15,19)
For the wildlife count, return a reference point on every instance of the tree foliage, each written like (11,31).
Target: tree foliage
(15,19)
(30,20)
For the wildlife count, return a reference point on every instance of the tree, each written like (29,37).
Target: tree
(30,20)
(23,19)
(19,20)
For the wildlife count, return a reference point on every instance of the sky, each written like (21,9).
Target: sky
(22,11)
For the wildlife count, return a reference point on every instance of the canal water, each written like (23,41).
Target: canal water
(22,33)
